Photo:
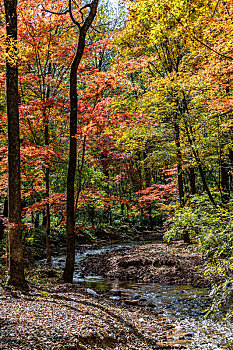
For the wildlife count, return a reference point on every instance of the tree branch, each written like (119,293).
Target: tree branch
(72,17)
(202,43)
(82,8)
(64,12)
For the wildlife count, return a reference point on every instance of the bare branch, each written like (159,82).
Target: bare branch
(96,30)
(64,12)
(72,17)
(82,8)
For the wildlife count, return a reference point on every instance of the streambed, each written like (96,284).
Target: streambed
(183,305)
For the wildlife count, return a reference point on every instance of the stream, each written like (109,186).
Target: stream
(183,305)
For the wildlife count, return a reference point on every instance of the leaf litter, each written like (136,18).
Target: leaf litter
(65,317)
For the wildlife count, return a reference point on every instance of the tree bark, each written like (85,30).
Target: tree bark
(179,165)
(198,160)
(2,228)
(47,188)
(225,185)
(192,179)
(16,263)
(70,210)
(231,167)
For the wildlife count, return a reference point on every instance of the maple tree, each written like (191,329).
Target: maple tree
(40,84)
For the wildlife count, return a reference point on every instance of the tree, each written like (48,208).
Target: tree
(83,29)
(16,264)
(42,71)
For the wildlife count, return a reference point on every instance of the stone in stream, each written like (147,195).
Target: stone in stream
(116,292)
(143,299)
(91,291)
(150,303)
(114,298)
(137,296)
(132,302)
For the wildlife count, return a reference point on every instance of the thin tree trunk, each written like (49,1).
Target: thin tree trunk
(16,263)
(122,209)
(150,216)
(192,180)
(47,174)
(110,215)
(148,183)
(197,158)
(46,217)
(224,166)
(80,169)
(231,165)
(179,165)
(70,210)
(47,227)
(185,234)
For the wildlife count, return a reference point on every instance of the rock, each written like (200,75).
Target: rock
(143,299)
(188,334)
(116,292)
(150,303)
(132,302)
(115,298)
(91,291)
(137,296)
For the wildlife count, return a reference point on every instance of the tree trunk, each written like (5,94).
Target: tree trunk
(37,220)
(224,166)
(16,263)
(5,208)
(47,227)
(179,165)
(150,216)
(186,237)
(122,209)
(70,210)
(192,179)
(2,228)
(198,160)
(148,183)
(47,215)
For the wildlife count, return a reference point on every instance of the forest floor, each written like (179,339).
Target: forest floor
(53,315)
(63,316)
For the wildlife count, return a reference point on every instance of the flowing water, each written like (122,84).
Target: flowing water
(183,305)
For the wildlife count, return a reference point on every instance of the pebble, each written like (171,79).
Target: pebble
(91,291)
(115,298)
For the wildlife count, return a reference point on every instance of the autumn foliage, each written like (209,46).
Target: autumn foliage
(154,113)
